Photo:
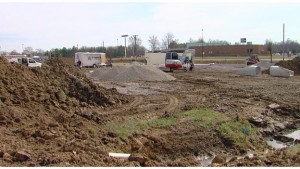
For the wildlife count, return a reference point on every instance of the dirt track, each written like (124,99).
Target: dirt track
(210,88)
(157,122)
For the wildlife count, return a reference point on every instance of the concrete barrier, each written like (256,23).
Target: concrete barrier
(252,70)
(280,71)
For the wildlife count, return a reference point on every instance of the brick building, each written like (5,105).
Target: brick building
(230,50)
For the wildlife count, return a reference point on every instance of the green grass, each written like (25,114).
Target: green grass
(237,131)
(125,129)
(203,119)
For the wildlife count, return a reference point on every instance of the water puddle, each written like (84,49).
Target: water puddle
(276,144)
(279,145)
(205,160)
(295,135)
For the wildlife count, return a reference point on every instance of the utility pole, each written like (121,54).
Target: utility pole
(124,36)
(283,44)
(202,45)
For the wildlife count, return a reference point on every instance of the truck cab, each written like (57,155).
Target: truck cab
(172,61)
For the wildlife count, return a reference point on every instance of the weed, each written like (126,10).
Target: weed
(61,96)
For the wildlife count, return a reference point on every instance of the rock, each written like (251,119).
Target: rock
(31,164)
(2,118)
(53,124)
(48,135)
(7,157)
(84,136)
(136,144)
(282,138)
(21,156)
(267,131)
(274,106)
(1,154)
(279,126)
(102,151)
(268,162)
(233,159)
(111,134)
(258,122)
(219,159)
(139,158)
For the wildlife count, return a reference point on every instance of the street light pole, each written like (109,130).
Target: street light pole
(202,44)
(124,36)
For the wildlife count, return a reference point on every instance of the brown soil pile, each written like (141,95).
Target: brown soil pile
(293,65)
(48,116)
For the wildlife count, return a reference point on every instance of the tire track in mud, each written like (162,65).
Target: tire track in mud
(173,103)
(119,111)
(131,112)
(168,109)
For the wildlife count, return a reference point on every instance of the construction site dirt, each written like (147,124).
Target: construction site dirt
(59,115)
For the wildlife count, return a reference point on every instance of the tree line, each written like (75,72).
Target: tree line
(135,47)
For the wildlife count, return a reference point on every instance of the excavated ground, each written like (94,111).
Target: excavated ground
(55,116)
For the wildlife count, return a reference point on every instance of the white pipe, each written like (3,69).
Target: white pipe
(119,155)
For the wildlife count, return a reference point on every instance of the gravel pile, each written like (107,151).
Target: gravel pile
(130,73)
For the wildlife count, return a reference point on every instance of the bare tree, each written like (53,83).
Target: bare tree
(153,42)
(38,52)
(28,50)
(14,52)
(269,44)
(169,37)
(135,43)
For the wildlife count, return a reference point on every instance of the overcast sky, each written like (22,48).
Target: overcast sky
(50,24)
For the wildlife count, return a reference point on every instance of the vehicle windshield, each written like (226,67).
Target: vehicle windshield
(37,59)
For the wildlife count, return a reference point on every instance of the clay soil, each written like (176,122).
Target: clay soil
(56,116)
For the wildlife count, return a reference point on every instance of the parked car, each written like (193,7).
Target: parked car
(253,59)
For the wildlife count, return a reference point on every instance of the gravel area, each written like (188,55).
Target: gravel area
(130,73)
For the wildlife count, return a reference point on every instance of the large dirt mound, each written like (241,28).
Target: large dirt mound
(48,116)
(130,73)
(293,65)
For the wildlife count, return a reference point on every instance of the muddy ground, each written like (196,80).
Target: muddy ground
(208,113)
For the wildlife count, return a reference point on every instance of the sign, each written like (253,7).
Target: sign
(243,40)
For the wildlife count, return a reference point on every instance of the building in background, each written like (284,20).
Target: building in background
(228,50)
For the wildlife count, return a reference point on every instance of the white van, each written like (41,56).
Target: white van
(29,62)
(37,58)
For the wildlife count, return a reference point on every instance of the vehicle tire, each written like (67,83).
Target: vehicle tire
(95,66)
(171,69)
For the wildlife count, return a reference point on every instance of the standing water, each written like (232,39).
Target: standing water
(279,145)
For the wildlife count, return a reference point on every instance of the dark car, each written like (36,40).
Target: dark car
(253,59)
